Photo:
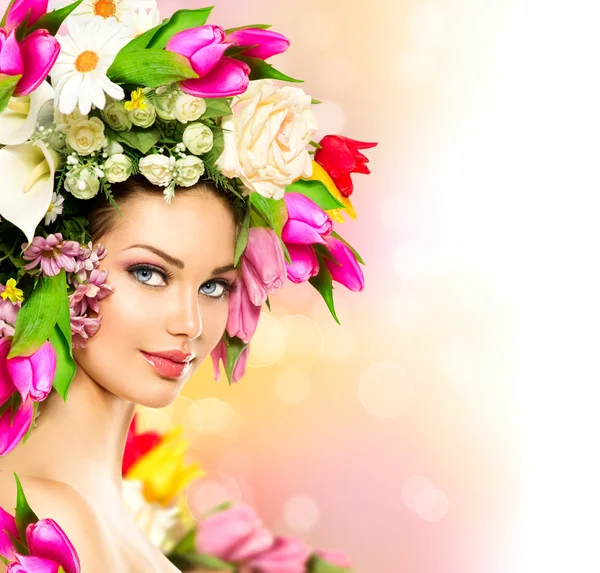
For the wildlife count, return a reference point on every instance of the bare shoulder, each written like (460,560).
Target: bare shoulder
(62,503)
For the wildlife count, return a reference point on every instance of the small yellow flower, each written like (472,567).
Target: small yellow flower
(12,292)
(319,174)
(163,470)
(137,101)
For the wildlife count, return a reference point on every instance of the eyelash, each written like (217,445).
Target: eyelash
(228,286)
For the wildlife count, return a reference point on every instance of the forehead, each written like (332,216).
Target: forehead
(196,226)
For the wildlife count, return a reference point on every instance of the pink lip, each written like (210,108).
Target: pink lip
(171,364)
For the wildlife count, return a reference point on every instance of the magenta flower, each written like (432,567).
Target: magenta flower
(263,264)
(7,524)
(83,328)
(243,314)
(52,254)
(18,11)
(335,558)
(7,386)
(304,263)
(89,294)
(219,353)
(345,269)
(269,43)
(286,555)
(219,76)
(307,223)
(11,60)
(32,375)
(46,539)
(13,431)
(234,535)
(29,564)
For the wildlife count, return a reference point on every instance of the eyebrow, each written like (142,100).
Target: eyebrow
(178,262)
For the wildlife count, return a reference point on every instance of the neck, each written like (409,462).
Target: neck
(80,442)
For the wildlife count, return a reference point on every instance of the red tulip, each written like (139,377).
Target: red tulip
(137,445)
(340,156)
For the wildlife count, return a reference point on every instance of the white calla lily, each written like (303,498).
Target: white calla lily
(19,119)
(29,171)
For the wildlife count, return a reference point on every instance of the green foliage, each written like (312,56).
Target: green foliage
(317,192)
(178,22)
(259,26)
(259,69)
(52,21)
(61,340)
(324,284)
(242,239)
(150,68)
(7,88)
(272,211)
(24,514)
(218,145)
(36,407)
(138,138)
(318,565)
(217,107)
(235,347)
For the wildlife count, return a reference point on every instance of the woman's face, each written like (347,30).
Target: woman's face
(171,267)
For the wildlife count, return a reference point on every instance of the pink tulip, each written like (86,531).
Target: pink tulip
(345,269)
(286,555)
(234,535)
(7,386)
(30,564)
(243,314)
(219,76)
(304,263)
(18,12)
(47,540)
(219,355)
(335,558)
(11,61)
(263,264)
(33,375)
(39,51)
(12,433)
(7,524)
(269,43)
(307,223)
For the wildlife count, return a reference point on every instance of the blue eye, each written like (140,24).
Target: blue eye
(213,289)
(148,276)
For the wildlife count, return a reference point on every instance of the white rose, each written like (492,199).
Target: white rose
(166,96)
(189,108)
(198,138)
(82,183)
(118,168)
(64,121)
(143,117)
(188,170)
(86,136)
(115,116)
(158,169)
(266,153)
(113,148)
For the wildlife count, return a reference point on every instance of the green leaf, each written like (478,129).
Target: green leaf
(218,145)
(324,284)
(233,51)
(24,514)
(37,317)
(18,545)
(216,107)
(52,21)
(316,191)
(4,560)
(180,21)
(235,347)
(36,407)
(217,508)
(259,26)
(242,239)
(317,564)
(60,570)
(210,562)
(150,68)
(7,88)
(187,544)
(273,211)
(138,138)
(286,253)
(142,41)
(259,69)
(358,257)
(315,101)
(65,365)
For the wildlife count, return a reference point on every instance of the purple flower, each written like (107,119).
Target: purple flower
(89,294)
(89,259)
(52,254)
(8,309)
(82,328)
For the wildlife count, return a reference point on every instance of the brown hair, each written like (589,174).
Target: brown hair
(102,215)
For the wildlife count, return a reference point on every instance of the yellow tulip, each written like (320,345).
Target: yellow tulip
(163,470)
(319,174)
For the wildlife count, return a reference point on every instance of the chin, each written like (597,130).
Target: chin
(157,393)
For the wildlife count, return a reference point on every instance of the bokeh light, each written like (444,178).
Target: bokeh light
(301,513)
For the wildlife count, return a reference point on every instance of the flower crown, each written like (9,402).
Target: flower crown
(125,94)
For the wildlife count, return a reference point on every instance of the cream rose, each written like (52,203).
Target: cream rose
(188,170)
(115,116)
(118,168)
(143,117)
(189,108)
(158,169)
(82,183)
(86,136)
(166,96)
(267,136)
(198,138)
(64,121)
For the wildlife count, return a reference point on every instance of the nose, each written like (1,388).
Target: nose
(185,316)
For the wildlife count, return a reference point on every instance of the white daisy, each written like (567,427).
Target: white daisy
(55,209)
(79,74)
(141,21)
(110,8)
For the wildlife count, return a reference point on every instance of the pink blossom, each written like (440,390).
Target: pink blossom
(18,11)
(7,524)
(266,42)
(31,564)
(286,555)
(335,558)
(243,314)
(52,254)
(6,329)
(14,426)
(89,294)
(219,353)
(89,259)
(345,268)
(47,540)
(304,263)
(83,328)
(32,375)
(8,309)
